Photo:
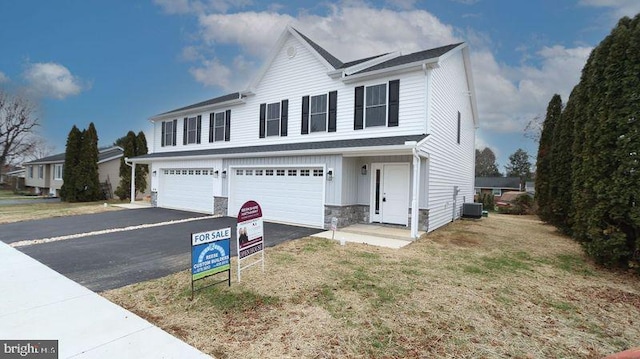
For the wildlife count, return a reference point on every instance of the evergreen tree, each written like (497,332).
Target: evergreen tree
(129,146)
(519,166)
(543,164)
(88,180)
(486,165)
(68,191)
(142,171)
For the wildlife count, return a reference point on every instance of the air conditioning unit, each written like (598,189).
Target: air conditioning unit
(472,210)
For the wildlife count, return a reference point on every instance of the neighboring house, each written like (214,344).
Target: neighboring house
(530,187)
(496,185)
(314,138)
(9,171)
(44,175)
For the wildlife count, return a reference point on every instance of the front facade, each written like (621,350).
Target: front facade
(314,138)
(44,176)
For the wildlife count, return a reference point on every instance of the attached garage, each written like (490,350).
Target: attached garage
(188,189)
(286,194)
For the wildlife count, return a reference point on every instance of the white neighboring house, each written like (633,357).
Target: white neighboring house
(44,175)
(313,138)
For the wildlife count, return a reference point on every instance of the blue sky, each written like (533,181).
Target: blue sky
(117,63)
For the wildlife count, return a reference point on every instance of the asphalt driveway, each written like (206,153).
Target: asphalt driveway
(112,260)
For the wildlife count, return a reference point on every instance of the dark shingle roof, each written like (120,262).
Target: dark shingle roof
(103,154)
(213,101)
(332,60)
(355,62)
(413,57)
(363,142)
(497,182)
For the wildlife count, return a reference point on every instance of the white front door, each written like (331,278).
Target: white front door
(390,193)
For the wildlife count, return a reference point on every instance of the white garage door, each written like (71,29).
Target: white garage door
(186,189)
(290,195)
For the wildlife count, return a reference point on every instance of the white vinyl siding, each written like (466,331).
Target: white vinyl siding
(450,164)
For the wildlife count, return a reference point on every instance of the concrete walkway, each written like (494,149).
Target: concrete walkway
(372,234)
(38,303)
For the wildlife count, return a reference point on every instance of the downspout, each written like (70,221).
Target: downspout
(133,179)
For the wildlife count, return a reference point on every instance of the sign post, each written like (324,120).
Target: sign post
(210,254)
(250,236)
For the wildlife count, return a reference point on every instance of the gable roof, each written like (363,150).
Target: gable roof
(498,182)
(331,60)
(285,147)
(104,154)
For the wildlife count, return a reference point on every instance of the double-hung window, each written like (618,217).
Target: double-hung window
(169,131)
(192,127)
(318,113)
(376,105)
(40,171)
(220,126)
(57,172)
(273,119)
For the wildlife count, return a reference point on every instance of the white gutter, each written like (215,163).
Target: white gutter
(133,179)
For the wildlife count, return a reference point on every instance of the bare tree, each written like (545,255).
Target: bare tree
(17,124)
(39,148)
(533,129)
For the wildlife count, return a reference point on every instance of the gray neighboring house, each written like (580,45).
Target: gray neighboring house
(497,185)
(44,176)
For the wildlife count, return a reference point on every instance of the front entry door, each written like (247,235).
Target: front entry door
(390,193)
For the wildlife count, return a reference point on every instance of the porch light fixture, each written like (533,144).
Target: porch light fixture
(215,174)
(330,174)
(224,173)
(363,170)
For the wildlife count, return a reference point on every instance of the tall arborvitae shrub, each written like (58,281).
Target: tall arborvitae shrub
(68,191)
(87,180)
(543,163)
(142,171)
(605,194)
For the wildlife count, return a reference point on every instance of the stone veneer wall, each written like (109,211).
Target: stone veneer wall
(220,205)
(423,219)
(154,199)
(347,215)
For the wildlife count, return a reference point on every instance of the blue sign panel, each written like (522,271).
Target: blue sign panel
(210,258)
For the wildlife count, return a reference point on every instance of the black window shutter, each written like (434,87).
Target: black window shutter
(394,102)
(199,131)
(305,116)
(175,132)
(263,116)
(227,125)
(458,127)
(333,109)
(358,114)
(184,130)
(284,118)
(163,132)
(211,123)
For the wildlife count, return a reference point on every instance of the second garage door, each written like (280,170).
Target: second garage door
(290,195)
(186,189)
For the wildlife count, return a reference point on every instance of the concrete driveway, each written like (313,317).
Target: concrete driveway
(111,260)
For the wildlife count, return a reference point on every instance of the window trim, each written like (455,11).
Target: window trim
(366,107)
(325,112)
(40,171)
(55,171)
(267,119)
(192,131)
(168,138)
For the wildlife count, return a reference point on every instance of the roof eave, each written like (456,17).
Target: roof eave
(417,65)
(171,115)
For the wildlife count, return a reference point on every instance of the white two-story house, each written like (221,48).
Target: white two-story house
(386,139)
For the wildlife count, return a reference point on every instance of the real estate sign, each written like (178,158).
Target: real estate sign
(210,254)
(250,234)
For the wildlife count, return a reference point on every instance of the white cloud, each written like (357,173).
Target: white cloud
(3,77)
(50,79)
(229,78)
(620,8)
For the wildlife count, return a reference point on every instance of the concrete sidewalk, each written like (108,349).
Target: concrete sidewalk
(372,234)
(37,303)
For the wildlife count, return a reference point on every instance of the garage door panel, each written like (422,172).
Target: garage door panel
(289,198)
(189,192)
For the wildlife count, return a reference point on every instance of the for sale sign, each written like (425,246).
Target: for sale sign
(250,234)
(210,254)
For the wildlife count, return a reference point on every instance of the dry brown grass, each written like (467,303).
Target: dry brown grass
(30,211)
(504,286)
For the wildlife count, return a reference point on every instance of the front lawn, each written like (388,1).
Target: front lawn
(503,286)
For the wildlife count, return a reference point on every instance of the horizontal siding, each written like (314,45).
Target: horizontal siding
(450,164)
(300,76)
